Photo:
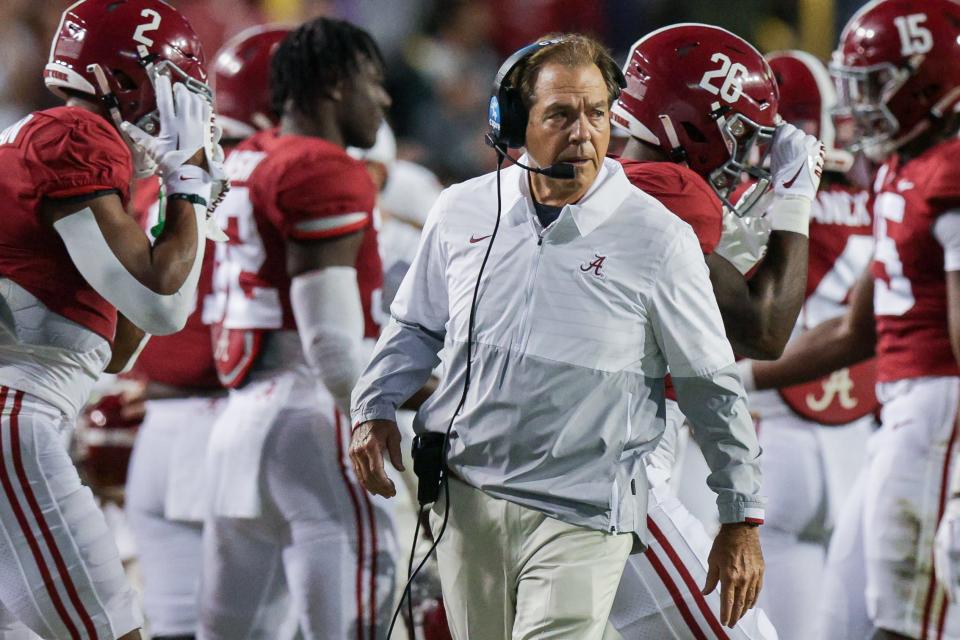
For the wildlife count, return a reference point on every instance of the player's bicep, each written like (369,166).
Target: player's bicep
(313,255)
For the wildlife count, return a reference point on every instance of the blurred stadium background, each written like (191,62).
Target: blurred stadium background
(441,54)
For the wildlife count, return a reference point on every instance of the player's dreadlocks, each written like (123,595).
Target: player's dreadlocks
(314,58)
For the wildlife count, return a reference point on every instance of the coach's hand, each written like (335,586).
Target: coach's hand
(367,445)
(736,562)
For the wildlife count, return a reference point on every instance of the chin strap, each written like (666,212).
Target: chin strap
(677,154)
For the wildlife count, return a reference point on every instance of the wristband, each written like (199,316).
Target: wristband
(790,213)
(189,197)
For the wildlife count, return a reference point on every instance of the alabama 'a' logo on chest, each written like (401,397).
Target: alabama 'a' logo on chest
(594,266)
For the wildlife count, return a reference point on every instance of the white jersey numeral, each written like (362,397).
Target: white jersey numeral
(236,299)
(9,135)
(828,300)
(914,38)
(893,295)
(732,73)
(153,25)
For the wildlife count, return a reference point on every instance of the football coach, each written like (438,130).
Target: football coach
(590,292)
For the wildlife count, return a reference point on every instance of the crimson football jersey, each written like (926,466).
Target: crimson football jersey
(59,153)
(840,248)
(185,358)
(284,188)
(910,292)
(683,192)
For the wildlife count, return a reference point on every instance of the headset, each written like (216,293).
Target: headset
(507,119)
(507,116)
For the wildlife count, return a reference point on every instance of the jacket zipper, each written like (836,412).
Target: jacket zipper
(615,497)
(521,342)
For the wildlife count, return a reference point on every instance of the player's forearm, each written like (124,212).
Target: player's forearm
(128,342)
(777,291)
(759,314)
(830,346)
(173,254)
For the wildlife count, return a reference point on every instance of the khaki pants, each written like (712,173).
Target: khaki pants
(513,573)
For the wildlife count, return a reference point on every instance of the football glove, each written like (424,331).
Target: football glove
(185,128)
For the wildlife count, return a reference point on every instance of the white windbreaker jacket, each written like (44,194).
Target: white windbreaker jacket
(576,327)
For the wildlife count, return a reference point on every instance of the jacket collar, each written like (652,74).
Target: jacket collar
(604,197)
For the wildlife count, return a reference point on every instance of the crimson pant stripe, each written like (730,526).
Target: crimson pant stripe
(688,580)
(943,615)
(44,527)
(944,479)
(21,517)
(358,520)
(674,592)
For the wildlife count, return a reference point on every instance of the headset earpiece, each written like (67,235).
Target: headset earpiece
(506,115)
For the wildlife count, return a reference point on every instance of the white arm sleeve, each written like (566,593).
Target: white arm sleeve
(153,312)
(946,230)
(326,305)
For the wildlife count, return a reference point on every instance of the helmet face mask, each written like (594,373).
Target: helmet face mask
(863,94)
(749,145)
(897,75)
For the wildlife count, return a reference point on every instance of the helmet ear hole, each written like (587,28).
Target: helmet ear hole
(124,81)
(693,132)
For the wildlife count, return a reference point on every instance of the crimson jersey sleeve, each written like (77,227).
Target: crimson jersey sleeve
(316,194)
(942,188)
(684,193)
(74,152)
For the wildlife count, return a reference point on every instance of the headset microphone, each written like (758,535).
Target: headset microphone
(559,171)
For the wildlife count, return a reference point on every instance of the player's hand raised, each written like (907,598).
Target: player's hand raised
(185,126)
(796,163)
(367,445)
(736,563)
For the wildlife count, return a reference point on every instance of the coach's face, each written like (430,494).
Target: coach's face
(569,122)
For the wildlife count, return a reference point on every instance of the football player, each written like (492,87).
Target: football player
(897,70)
(699,103)
(131,73)
(184,397)
(814,436)
(295,290)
